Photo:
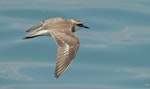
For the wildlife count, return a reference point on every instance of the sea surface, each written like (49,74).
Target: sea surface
(114,53)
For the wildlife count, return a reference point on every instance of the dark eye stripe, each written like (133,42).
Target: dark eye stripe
(80,25)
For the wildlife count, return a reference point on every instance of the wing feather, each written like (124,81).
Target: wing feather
(68,45)
(35,27)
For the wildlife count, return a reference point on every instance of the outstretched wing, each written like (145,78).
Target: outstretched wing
(42,28)
(68,45)
(35,27)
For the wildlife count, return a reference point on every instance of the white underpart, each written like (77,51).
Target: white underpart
(44,33)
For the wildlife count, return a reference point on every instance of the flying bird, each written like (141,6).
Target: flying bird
(61,31)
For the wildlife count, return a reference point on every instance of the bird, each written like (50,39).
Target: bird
(62,31)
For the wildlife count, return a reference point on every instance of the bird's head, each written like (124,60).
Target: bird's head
(79,23)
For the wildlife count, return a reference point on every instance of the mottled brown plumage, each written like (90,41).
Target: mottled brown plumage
(62,32)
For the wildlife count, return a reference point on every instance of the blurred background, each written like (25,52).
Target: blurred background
(114,53)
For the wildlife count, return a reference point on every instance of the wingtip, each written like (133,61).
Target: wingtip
(56,76)
(35,27)
(26,38)
(28,30)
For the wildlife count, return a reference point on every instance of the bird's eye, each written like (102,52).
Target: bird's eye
(80,25)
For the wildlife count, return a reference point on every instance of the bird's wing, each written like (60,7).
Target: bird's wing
(44,24)
(35,27)
(68,45)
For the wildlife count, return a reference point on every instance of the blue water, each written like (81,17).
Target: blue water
(114,53)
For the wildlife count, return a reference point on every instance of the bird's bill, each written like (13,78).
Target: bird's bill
(85,26)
